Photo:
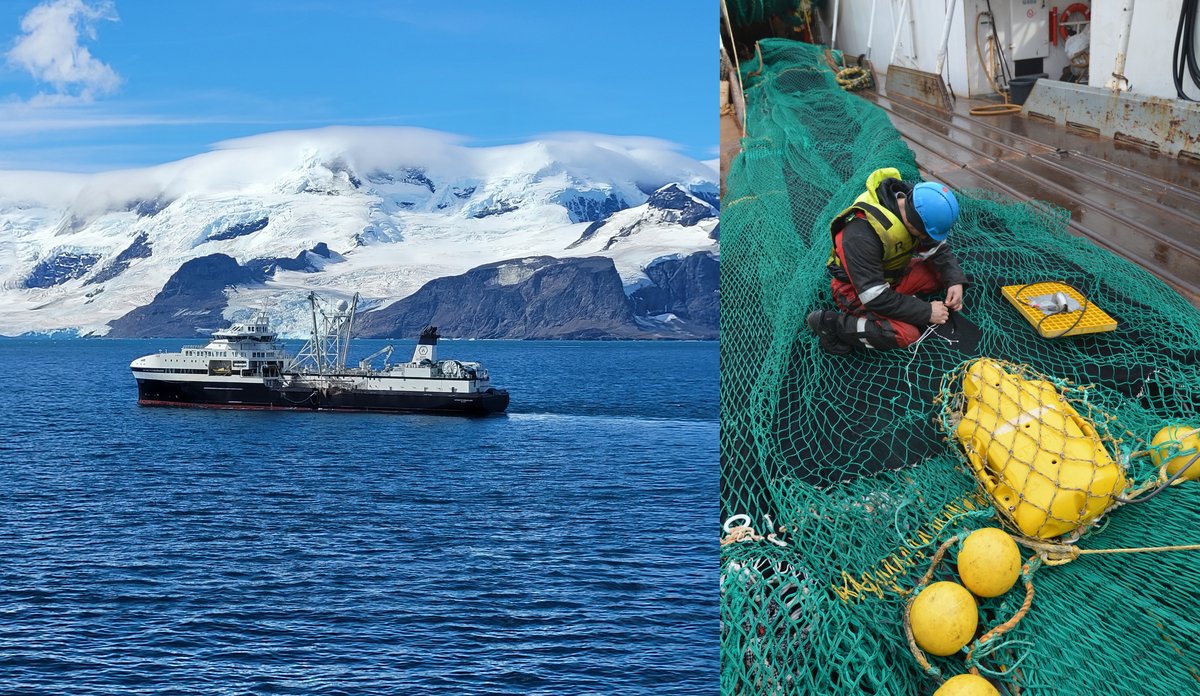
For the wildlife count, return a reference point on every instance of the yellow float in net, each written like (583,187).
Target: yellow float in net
(1045,466)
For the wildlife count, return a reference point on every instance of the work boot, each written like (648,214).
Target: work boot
(825,324)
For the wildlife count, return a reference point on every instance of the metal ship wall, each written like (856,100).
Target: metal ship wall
(244,367)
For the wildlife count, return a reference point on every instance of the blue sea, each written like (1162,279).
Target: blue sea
(569,546)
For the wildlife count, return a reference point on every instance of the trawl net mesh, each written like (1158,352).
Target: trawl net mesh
(846,464)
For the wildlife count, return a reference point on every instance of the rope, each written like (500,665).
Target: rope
(738,534)
(984,644)
(912,645)
(746,532)
(915,345)
(991,109)
(1082,310)
(853,78)
(1026,575)
(916,651)
(1060,554)
(758,54)
(1166,483)
(1047,554)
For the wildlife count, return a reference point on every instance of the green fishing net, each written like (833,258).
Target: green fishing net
(839,464)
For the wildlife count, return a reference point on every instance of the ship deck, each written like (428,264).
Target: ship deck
(1123,196)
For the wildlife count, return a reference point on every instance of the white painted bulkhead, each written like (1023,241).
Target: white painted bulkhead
(919,39)
(1147,66)
(1151,45)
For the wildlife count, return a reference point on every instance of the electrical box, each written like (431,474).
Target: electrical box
(1030,29)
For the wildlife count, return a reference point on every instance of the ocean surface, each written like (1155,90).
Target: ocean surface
(567,547)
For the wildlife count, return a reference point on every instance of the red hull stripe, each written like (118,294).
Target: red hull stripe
(240,407)
(251,407)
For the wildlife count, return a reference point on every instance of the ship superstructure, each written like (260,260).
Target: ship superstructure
(245,366)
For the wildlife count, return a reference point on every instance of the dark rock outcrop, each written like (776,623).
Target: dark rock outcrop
(587,233)
(496,208)
(139,249)
(307,261)
(531,298)
(416,176)
(688,211)
(149,208)
(240,229)
(689,288)
(190,303)
(60,268)
(548,298)
(340,166)
(539,297)
(669,204)
(581,208)
(712,198)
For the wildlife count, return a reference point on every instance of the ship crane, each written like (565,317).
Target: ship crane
(365,363)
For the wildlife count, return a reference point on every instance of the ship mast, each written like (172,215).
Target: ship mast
(327,348)
(314,339)
(344,334)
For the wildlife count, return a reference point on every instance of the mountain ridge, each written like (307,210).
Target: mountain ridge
(389,210)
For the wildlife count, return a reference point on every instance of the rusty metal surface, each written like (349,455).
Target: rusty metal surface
(1171,125)
(1123,197)
(918,85)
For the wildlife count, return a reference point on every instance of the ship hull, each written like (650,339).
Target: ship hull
(259,396)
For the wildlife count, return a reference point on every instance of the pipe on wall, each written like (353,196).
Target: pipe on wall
(941,56)
(899,26)
(1118,82)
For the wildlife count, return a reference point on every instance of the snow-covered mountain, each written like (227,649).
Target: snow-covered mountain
(380,211)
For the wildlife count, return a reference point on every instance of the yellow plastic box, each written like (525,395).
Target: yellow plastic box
(1095,320)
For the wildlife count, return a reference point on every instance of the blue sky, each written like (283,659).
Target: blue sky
(89,85)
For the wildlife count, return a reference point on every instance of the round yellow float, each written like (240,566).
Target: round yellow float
(989,562)
(1177,457)
(967,685)
(944,618)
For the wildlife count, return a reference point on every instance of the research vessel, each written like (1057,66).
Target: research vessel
(246,367)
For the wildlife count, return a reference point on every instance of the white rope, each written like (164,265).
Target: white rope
(916,345)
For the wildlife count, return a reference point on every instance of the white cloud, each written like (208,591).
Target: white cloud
(50,51)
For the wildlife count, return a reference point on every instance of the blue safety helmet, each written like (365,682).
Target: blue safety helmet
(937,207)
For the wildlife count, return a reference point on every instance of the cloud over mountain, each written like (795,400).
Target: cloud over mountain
(377,210)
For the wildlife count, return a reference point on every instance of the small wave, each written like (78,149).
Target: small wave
(613,418)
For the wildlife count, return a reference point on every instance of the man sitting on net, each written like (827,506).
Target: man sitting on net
(888,247)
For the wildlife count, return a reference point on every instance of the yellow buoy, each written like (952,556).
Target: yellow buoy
(1045,466)
(967,685)
(1176,457)
(944,618)
(989,563)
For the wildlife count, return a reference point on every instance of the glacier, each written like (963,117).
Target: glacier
(381,211)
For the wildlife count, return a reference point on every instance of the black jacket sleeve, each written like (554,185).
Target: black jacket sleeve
(863,254)
(947,267)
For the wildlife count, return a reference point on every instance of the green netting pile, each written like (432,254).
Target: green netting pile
(840,464)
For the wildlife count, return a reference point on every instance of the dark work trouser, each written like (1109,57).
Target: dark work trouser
(863,327)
